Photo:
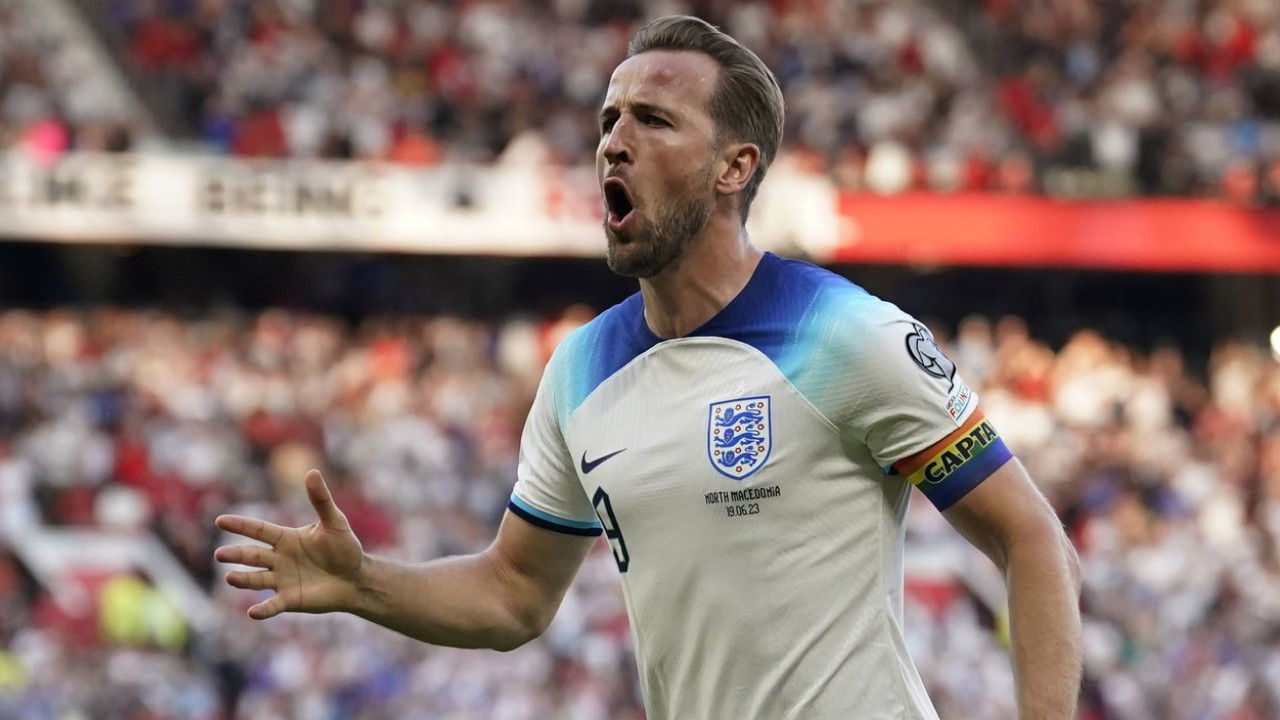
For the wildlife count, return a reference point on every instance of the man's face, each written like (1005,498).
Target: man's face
(656,158)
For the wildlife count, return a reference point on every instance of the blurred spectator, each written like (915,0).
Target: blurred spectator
(46,105)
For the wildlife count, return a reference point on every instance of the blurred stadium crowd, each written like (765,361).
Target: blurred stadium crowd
(1068,97)
(138,420)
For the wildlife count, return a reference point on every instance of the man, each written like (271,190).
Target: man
(745,431)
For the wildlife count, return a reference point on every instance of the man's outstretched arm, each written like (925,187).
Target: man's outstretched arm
(500,598)
(1007,518)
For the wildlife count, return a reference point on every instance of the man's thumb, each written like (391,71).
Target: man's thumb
(322,500)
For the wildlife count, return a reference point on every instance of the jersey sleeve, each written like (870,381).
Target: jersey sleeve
(547,492)
(913,410)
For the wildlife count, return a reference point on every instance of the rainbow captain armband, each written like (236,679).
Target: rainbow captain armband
(951,467)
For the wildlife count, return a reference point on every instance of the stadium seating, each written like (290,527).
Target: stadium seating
(1067,98)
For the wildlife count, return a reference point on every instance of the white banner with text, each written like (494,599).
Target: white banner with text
(324,205)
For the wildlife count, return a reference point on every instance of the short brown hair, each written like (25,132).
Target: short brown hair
(746,105)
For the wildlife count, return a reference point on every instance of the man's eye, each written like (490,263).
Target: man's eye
(654,121)
(607,125)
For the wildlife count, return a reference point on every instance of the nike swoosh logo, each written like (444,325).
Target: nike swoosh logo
(589,465)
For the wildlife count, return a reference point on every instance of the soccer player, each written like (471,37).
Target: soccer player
(745,431)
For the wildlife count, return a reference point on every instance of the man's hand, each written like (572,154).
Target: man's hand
(500,598)
(313,569)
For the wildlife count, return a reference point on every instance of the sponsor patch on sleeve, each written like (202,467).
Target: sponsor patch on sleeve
(950,468)
(958,401)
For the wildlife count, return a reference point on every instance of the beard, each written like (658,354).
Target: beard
(661,239)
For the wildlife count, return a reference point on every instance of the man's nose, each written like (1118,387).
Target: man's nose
(617,145)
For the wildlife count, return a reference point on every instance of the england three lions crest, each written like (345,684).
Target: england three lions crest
(739,435)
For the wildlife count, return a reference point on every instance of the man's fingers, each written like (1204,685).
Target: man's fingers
(268,608)
(258,580)
(318,493)
(254,555)
(254,528)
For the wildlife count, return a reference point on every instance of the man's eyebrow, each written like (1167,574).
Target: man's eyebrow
(649,109)
(636,107)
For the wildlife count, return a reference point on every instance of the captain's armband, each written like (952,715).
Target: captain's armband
(951,467)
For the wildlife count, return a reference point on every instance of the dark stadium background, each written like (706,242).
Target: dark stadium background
(1190,310)
(1081,198)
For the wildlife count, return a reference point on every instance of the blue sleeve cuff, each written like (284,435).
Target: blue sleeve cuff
(534,516)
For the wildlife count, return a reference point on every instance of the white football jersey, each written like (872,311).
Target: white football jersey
(751,479)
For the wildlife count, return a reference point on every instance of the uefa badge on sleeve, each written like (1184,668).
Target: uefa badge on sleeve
(739,435)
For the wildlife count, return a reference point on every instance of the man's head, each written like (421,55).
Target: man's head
(690,123)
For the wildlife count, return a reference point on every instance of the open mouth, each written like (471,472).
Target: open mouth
(617,201)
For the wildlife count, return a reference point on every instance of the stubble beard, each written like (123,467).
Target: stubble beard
(661,240)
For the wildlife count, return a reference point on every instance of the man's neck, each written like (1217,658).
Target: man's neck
(710,273)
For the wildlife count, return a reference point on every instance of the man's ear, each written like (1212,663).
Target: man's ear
(741,161)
